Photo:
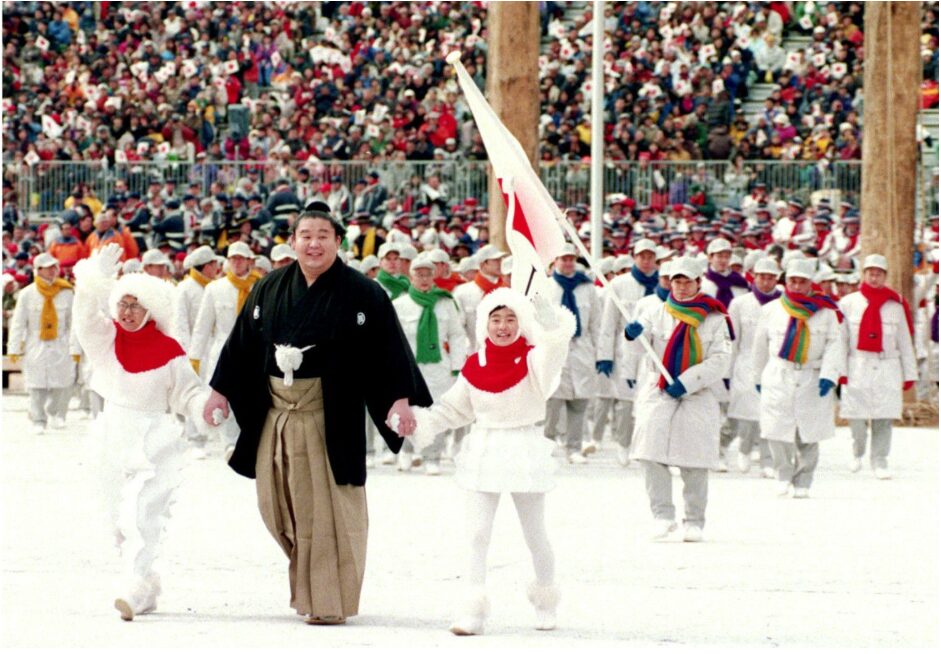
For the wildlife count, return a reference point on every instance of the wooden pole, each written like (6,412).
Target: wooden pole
(513,37)
(892,80)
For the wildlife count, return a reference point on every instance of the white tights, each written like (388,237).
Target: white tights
(531,509)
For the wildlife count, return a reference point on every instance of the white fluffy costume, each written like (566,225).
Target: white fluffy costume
(505,450)
(503,391)
(146,381)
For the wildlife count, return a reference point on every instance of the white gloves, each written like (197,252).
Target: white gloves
(545,312)
(109,259)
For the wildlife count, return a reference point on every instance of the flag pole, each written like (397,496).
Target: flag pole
(597,126)
(454,58)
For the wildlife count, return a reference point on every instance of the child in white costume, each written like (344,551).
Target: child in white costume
(146,380)
(503,389)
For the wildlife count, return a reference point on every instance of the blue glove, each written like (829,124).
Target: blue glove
(758,387)
(825,385)
(728,383)
(631,382)
(604,367)
(676,389)
(633,330)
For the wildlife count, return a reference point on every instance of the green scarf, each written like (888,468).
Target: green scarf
(395,284)
(426,345)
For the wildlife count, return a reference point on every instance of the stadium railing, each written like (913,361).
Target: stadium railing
(47,184)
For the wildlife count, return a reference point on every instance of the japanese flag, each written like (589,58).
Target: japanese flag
(838,70)
(42,43)
(275,59)
(189,68)
(31,158)
(231,67)
(50,127)
(533,232)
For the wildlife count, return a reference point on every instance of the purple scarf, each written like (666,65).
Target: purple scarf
(934,326)
(725,283)
(764,298)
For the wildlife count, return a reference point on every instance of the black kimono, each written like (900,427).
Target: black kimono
(360,353)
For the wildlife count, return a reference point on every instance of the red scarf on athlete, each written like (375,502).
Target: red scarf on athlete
(448,283)
(146,349)
(506,366)
(486,285)
(869,338)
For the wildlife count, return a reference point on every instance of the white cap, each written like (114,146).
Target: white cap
(368,263)
(131,266)
(239,249)
(263,262)
(155,257)
(686,267)
(354,264)
(825,274)
(736,261)
(800,267)
(606,265)
(664,252)
(438,256)
(199,257)
(718,245)
(623,262)
(752,258)
(876,261)
(568,250)
(467,264)
(423,261)
(7,278)
(852,277)
(45,260)
(506,266)
(386,248)
(666,268)
(283,251)
(767,266)
(488,252)
(407,251)
(644,245)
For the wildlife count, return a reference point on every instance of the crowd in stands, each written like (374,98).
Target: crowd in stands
(368,81)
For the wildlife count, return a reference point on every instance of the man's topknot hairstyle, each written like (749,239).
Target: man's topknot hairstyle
(319,209)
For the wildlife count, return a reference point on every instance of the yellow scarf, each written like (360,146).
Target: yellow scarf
(49,319)
(369,243)
(243,286)
(199,277)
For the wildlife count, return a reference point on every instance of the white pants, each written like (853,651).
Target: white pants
(531,509)
(45,403)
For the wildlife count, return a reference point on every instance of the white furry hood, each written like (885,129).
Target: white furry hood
(522,307)
(154,294)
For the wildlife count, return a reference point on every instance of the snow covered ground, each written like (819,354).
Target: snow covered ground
(854,565)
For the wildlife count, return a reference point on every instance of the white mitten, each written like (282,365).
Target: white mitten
(109,259)
(545,312)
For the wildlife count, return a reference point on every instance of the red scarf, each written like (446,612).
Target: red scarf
(506,366)
(798,227)
(486,285)
(448,283)
(851,243)
(869,338)
(146,349)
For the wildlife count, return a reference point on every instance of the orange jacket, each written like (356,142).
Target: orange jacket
(121,236)
(68,254)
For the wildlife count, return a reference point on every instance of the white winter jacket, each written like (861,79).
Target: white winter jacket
(579,376)
(186,300)
(451,340)
(682,432)
(46,364)
(874,379)
(611,344)
(790,397)
(214,320)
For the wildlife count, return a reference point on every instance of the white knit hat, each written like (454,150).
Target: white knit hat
(198,257)
(153,294)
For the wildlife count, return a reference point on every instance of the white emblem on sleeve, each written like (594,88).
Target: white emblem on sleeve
(256,314)
(360,318)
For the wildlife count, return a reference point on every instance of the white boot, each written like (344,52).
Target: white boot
(474,610)
(545,599)
(140,597)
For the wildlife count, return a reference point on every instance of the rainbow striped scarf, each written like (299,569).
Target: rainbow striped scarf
(797,337)
(684,349)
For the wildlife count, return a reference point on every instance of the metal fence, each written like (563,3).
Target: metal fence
(44,187)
